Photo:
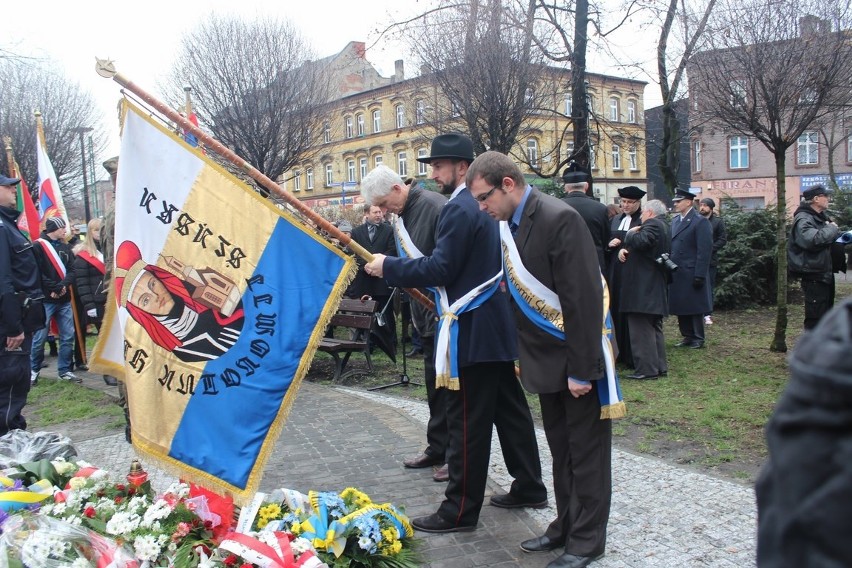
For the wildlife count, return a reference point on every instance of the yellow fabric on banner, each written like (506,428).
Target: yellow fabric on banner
(235,216)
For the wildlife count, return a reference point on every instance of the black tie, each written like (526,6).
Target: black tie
(371,231)
(513,227)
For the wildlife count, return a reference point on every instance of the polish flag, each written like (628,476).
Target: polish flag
(49,195)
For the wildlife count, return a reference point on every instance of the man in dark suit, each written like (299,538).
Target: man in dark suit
(593,212)
(557,251)
(377,237)
(645,300)
(689,291)
(485,392)
(630,202)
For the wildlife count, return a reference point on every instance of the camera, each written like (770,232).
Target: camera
(666,262)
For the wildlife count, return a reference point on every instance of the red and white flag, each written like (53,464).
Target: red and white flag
(50,202)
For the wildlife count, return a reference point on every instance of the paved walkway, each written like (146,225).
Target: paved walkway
(662,515)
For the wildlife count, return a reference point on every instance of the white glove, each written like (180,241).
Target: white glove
(93,313)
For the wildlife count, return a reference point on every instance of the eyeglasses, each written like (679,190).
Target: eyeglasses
(483,196)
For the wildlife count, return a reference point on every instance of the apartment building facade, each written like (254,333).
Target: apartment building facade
(392,121)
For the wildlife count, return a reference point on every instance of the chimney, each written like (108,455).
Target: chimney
(398,70)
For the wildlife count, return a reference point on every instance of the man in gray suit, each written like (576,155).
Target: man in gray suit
(689,291)
(557,250)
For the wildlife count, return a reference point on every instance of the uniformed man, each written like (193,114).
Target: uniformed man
(21,309)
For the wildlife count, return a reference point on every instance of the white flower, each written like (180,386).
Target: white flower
(81,563)
(77,483)
(42,546)
(157,511)
(146,548)
(122,523)
(300,546)
(62,467)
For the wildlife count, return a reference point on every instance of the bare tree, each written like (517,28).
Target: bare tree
(670,84)
(771,70)
(255,88)
(27,86)
(481,55)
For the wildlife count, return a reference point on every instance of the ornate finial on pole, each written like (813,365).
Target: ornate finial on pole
(105,68)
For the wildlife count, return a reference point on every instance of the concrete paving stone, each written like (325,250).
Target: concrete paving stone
(662,515)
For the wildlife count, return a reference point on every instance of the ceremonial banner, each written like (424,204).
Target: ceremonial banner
(218,302)
(49,196)
(28,222)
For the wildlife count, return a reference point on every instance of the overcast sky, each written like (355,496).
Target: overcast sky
(143,38)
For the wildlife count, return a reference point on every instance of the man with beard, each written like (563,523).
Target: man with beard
(630,201)
(475,349)
(689,294)
(809,252)
(417,210)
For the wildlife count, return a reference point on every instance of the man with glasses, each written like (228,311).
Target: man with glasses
(809,252)
(551,261)
(476,347)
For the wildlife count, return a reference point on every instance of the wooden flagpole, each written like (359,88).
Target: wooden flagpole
(106,69)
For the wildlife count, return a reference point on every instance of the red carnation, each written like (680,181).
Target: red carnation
(89,512)
(230,560)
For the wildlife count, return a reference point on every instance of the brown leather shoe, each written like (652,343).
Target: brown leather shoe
(442,474)
(423,460)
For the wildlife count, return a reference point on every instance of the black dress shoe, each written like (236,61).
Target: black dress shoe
(685,343)
(423,460)
(696,345)
(573,561)
(414,351)
(664,373)
(642,377)
(81,367)
(540,544)
(435,524)
(110,381)
(443,474)
(509,501)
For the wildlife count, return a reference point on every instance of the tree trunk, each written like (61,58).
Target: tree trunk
(669,160)
(580,113)
(779,341)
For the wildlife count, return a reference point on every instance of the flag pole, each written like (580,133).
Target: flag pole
(106,69)
(10,158)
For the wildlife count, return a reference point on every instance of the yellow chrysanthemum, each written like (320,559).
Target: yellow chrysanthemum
(389,534)
(271,511)
(296,528)
(262,522)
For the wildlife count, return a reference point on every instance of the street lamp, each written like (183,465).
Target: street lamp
(82,130)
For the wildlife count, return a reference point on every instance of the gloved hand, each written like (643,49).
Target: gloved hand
(698,282)
(93,313)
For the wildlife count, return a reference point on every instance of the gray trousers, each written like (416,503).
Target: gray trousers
(648,344)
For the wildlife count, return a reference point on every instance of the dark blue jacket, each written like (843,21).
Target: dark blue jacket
(692,247)
(467,253)
(18,273)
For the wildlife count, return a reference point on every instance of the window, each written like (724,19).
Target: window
(738,94)
(377,161)
(696,156)
(297,181)
(348,129)
(616,157)
(359,124)
(532,151)
(455,111)
(807,149)
(569,106)
(593,158)
(738,152)
(329,175)
(420,112)
(326,132)
(402,164)
(591,104)
(309,174)
(400,116)
(529,97)
(377,121)
(421,167)
(614,114)
(350,170)
(569,148)
(634,158)
(849,147)
(631,112)
(363,167)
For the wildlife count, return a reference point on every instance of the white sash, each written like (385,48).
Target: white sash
(446,338)
(53,257)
